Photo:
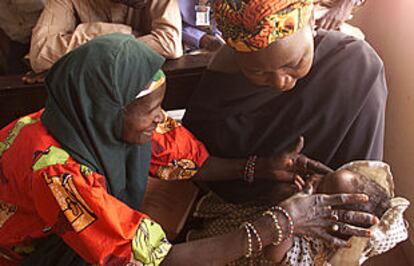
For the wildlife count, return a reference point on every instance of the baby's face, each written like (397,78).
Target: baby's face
(344,181)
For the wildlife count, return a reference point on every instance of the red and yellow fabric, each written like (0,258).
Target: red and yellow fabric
(176,154)
(251,25)
(44,191)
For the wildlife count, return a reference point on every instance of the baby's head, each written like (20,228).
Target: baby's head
(345,181)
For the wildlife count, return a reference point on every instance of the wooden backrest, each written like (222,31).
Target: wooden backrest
(18,99)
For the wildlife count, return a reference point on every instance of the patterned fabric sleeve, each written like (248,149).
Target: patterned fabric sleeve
(73,203)
(176,153)
(306,251)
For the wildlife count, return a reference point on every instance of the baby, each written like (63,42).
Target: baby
(371,178)
(345,181)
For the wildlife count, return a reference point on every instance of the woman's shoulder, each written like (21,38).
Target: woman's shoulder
(223,61)
(26,147)
(56,164)
(25,135)
(21,140)
(56,161)
(338,45)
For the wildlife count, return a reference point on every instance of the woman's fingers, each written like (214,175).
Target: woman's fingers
(355,217)
(325,212)
(328,25)
(299,182)
(299,146)
(334,241)
(340,199)
(318,167)
(310,166)
(284,176)
(298,186)
(326,20)
(335,24)
(303,163)
(289,177)
(350,230)
(32,77)
(321,23)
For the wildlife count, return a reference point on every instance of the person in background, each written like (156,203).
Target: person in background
(66,24)
(195,13)
(17,18)
(332,15)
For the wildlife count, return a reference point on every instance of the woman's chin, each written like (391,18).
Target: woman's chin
(145,137)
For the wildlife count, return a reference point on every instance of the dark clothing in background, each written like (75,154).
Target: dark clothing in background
(15,62)
(12,55)
(338,107)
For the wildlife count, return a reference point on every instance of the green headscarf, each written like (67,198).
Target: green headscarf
(87,90)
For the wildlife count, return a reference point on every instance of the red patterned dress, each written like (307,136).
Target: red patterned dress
(44,191)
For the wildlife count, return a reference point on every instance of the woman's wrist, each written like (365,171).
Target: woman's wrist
(266,224)
(249,171)
(262,169)
(285,219)
(265,227)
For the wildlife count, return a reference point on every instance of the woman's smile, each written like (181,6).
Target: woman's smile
(149,132)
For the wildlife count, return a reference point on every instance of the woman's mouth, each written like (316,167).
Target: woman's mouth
(149,131)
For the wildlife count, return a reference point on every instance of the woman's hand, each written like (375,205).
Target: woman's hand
(33,78)
(313,215)
(336,15)
(290,167)
(210,42)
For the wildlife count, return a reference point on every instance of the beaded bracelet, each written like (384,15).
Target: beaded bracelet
(249,227)
(279,231)
(259,239)
(249,241)
(249,169)
(291,227)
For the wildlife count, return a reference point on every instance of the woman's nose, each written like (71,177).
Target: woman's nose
(283,82)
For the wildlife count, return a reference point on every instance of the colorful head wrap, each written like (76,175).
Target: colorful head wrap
(157,80)
(251,25)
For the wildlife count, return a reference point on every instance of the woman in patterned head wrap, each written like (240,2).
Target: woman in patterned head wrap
(254,25)
(258,97)
(277,79)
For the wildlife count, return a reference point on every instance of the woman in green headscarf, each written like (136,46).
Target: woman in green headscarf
(73,175)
